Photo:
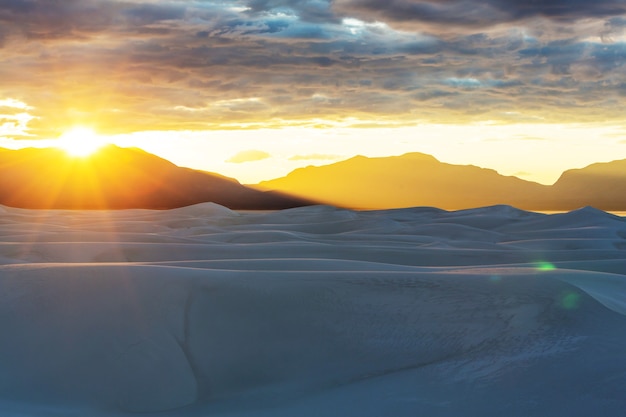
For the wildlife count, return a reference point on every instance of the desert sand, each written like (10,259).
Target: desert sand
(313,311)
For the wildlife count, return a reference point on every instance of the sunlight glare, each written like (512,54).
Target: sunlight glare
(80,141)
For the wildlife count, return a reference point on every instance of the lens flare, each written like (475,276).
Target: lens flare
(545,266)
(569,300)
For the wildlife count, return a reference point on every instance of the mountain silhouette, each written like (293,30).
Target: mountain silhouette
(417,179)
(601,185)
(119,178)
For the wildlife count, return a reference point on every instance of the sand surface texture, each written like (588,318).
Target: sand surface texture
(315,311)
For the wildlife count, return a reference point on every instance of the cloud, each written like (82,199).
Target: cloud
(76,19)
(315,156)
(248,156)
(123,66)
(529,138)
(318,11)
(477,13)
(12,103)
(15,125)
(14,118)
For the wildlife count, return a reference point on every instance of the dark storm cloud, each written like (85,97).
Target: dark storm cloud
(200,64)
(479,12)
(149,13)
(72,19)
(54,18)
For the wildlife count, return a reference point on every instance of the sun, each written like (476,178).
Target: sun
(80,141)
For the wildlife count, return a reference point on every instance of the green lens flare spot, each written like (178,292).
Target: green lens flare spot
(545,266)
(570,300)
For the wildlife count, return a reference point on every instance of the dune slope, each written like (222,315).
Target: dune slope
(205,311)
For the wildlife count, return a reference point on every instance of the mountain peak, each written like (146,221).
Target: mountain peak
(415,156)
(418,156)
(412,179)
(418,179)
(607,169)
(119,178)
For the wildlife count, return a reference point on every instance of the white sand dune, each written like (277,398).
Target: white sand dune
(316,311)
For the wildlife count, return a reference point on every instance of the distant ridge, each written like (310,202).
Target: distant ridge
(417,179)
(601,185)
(120,178)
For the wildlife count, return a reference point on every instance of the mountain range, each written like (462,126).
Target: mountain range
(119,178)
(416,179)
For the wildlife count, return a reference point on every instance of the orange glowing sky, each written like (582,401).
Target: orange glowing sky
(256,88)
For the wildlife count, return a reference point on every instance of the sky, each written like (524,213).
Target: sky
(255,88)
